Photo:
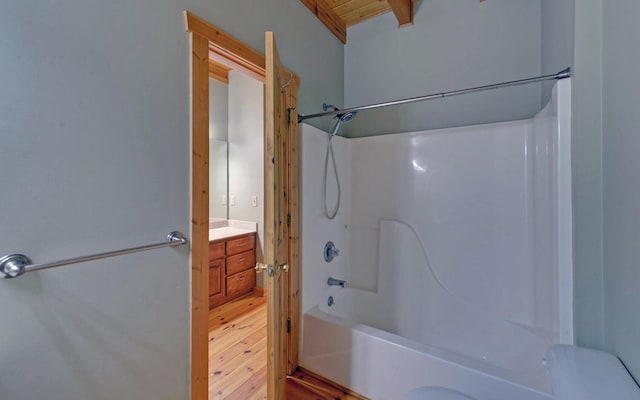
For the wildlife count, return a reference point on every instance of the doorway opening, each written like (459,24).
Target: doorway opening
(237,302)
(213,51)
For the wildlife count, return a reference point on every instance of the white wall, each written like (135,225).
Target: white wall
(572,37)
(95,126)
(621,146)
(605,189)
(453,44)
(557,39)
(94,116)
(587,173)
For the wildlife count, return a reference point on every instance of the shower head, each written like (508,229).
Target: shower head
(342,119)
(346,117)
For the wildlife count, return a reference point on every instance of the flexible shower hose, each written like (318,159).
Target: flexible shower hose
(333,214)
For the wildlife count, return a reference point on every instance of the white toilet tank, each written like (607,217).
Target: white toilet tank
(584,374)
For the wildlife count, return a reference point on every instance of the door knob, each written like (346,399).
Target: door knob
(283,267)
(260,267)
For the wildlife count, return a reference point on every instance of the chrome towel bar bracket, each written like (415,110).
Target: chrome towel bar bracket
(14,265)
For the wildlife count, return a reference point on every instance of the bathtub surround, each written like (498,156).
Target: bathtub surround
(561,46)
(571,34)
(460,250)
(315,229)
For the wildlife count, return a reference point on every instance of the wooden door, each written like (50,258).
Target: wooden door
(275,219)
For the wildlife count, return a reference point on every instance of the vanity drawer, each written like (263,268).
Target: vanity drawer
(241,262)
(216,250)
(240,245)
(241,282)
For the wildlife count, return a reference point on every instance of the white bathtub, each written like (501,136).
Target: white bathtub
(456,248)
(385,366)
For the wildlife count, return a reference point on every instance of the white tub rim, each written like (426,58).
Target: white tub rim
(443,355)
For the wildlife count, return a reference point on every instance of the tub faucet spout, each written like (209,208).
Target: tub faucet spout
(336,282)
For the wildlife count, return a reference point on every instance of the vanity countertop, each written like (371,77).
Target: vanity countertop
(227,232)
(235,228)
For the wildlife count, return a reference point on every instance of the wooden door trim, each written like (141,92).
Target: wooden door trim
(293,256)
(207,41)
(229,50)
(199,216)
(219,71)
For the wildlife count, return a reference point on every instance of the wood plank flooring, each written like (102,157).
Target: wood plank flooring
(238,357)
(238,350)
(303,385)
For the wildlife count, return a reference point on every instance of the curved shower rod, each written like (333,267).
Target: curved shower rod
(566,73)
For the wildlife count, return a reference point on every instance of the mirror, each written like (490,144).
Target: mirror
(218,151)
(218,179)
(236,130)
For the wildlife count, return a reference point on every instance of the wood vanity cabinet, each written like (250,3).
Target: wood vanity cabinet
(231,268)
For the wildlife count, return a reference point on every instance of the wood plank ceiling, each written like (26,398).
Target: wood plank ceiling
(337,15)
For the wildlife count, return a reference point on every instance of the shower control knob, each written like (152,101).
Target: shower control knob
(330,251)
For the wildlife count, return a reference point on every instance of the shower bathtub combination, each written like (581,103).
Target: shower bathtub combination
(455,246)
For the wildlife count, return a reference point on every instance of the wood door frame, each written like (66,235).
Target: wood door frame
(206,40)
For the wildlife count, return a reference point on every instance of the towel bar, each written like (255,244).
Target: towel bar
(14,265)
